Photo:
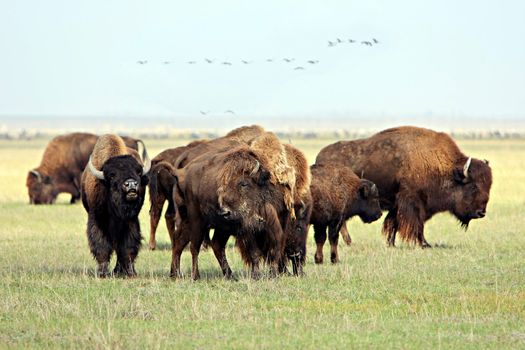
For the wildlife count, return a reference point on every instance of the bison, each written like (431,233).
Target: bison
(160,189)
(113,188)
(338,194)
(231,192)
(419,173)
(60,170)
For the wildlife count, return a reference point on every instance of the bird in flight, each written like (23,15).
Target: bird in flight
(142,62)
(375,41)
(288,60)
(331,43)
(269,60)
(208,60)
(191,62)
(204,112)
(230,111)
(166,62)
(246,62)
(366,43)
(339,40)
(299,68)
(313,61)
(226,63)
(351,41)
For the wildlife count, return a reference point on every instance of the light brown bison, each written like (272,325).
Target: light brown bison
(338,194)
(419,173)
(231,192)
(160,189)
(113,188)
(60,170)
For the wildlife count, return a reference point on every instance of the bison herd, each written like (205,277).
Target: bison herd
(250,185)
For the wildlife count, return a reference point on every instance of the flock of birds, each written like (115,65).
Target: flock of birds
(331,43)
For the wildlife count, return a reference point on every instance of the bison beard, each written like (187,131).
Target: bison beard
(113,198)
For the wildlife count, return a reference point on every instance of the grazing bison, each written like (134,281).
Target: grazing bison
(60,170)
(231,192)
(161,183)
(338,194)
(113,188)
(419,173)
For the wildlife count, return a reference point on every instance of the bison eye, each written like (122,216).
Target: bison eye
(243,183)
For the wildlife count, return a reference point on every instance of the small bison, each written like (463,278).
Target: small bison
(419,173)
(113,188)
(60,170)
(338,194)
(160,189)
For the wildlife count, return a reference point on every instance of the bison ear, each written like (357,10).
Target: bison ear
(46,180)
(264,177)
(364,190)
(459,176)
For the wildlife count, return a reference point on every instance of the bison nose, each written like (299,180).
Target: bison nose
(130,185)
(481,213)
(225,212)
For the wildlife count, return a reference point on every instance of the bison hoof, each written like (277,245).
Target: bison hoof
(318,259)
(152,246)
(334,259)
(425,245)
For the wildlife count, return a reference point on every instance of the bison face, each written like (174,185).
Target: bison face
(41,188)
(297,234)
(368,202)
(125,182)
(473,180)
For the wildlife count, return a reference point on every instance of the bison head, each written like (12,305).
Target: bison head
(367,201)
(244,188)
(125,181)
(41,188)
(472,182)
(297,234)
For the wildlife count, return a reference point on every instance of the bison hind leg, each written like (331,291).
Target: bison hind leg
(345,234)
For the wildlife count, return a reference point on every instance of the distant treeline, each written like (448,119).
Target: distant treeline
(285,135)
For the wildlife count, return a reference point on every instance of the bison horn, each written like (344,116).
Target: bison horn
(256,168)
(37,174)
(374,188)
(97,173)
(145,160)
(466,166)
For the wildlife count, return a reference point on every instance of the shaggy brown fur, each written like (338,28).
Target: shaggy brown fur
(160,186)
(419,173)
(229,191)
(113,204)
(339,194)
(245,133)
(60,169)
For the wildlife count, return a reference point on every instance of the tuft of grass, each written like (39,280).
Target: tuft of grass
(467,292)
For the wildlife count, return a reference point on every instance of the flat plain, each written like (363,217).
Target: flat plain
(468,292)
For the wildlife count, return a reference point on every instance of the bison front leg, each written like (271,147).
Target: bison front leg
(333,236)
(218,244)
(276,239)
(169,217)
(179,242)
(127,252)
(390,228)
(320,239)
(345,234)
(411,218)
(99,246)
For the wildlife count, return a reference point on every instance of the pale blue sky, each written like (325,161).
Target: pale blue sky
(450,58)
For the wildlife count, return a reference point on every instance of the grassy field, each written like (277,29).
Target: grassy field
(467,292)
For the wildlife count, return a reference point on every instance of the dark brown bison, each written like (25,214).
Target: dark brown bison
(338,194)
(231,192)
(160,189)
(60,170)
(113,188)
(419,173)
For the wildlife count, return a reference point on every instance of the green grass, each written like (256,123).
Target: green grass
(467,292)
